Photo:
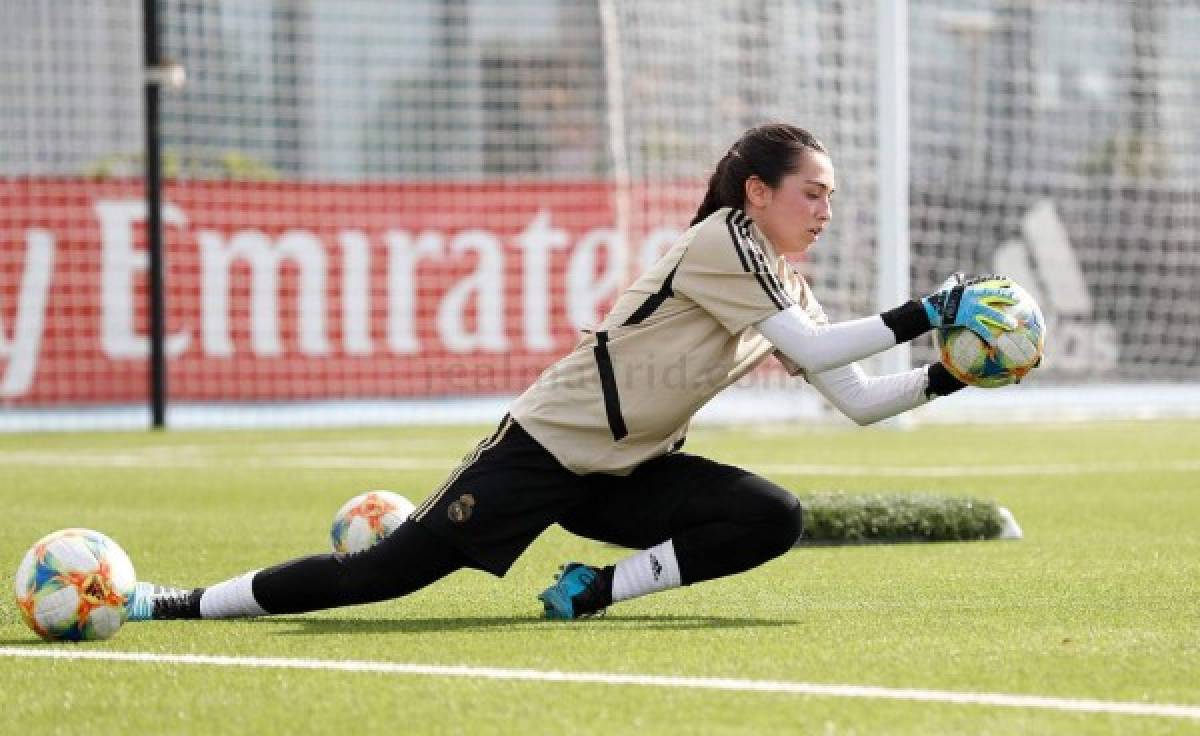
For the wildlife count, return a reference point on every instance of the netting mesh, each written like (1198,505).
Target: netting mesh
(1051,142)
(379,199)
(695,81)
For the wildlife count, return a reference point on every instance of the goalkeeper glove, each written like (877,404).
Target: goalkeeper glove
(972,303)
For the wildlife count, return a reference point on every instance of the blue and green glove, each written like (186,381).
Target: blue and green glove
(972,303)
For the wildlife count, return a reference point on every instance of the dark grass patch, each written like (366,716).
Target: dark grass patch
(841,518)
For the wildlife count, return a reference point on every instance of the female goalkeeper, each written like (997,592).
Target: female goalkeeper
(594,444)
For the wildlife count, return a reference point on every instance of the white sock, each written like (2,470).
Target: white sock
(648,571)
(231,599)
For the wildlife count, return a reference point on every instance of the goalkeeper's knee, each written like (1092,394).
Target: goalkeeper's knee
(784,528)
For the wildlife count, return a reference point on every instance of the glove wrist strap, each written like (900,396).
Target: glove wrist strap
(907,321)
(940,382)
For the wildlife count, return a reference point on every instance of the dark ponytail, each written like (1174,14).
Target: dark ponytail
(770,152)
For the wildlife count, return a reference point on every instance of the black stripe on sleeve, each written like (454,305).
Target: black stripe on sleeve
(608,385)
(772,279)
(770,271)
(654,302)
(754,261)
(729,225)
(760,259)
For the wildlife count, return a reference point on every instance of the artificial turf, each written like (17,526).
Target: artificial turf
(1099,601)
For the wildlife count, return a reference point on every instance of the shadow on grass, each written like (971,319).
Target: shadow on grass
(314,626)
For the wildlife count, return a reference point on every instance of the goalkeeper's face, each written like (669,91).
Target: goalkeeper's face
(794,214)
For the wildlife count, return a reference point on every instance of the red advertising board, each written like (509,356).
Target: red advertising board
(285,291)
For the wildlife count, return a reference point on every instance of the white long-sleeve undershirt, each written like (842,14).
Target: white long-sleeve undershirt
(826,355)
(817,348)
(868,399)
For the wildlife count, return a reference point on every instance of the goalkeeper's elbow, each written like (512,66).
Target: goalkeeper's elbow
(860,416)
(864,421)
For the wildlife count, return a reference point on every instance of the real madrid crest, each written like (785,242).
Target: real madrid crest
(461,509)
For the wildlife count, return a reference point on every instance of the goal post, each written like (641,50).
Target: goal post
(893,285)
(375,210)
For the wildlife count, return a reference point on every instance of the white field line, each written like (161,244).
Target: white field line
(600,678)
(158,459)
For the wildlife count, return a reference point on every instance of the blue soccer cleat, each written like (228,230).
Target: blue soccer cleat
(574,594)
(140,606)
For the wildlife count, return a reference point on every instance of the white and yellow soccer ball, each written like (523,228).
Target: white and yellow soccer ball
(73,584)
(366,519)
(1015,354)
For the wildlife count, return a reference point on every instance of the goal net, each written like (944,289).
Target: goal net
(374,210)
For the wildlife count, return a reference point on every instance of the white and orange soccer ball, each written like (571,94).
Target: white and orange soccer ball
(73,585)
(366,519)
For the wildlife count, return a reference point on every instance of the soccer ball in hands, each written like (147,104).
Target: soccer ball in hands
(73,584)
(367,518)
(1015,354)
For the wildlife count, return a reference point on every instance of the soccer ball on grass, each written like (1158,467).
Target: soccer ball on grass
(366,519)
(1015,354)
(73,584)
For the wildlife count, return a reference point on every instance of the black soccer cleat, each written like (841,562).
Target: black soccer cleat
(178,605)
(151,602)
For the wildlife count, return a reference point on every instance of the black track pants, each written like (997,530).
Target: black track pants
(722,519)
(407,560)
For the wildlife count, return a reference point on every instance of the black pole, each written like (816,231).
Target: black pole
(154,234)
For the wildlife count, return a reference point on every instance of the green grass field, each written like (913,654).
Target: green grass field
(1100,601)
